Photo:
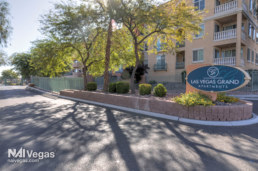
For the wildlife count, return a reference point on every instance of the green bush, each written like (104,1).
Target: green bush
(193,99)
(160,90)
(226,99)
(122,87)
(152,82)
(145,89)
(112,87)
(91,86)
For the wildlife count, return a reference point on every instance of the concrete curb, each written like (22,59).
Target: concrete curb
(251,121)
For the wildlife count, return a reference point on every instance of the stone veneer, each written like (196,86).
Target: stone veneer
(211,113)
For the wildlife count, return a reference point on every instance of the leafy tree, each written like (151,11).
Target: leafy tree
(21,61)
(2,58)
(74,25)
(147,21)
(48,58)
(5,27)
(9,74)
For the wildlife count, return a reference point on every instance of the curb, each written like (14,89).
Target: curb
(251,121)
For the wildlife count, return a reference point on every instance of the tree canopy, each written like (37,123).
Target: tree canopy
(5,27)
(50,58)
(147,22)
(21,62)
(9,74)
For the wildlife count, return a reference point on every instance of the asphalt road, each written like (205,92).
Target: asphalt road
(87,137)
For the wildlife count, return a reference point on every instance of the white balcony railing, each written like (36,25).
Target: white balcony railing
(224,35)
(225,61)
(226,6)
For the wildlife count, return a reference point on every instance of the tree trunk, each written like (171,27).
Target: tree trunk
(135,68)
(107,57)
(84,73)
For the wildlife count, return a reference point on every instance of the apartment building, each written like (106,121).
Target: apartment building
(229,37)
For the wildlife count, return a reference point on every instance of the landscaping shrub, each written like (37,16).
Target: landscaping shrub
(112,87)
(226,99)
(122,87)
(193,99)
(91,86)
(160,90)
(145,89)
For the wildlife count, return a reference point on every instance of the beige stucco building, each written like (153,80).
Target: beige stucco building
(229,37)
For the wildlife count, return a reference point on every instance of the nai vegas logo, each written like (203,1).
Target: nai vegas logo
(213,72)
(28,156)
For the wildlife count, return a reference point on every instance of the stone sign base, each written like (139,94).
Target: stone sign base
(189,88)
(242,111)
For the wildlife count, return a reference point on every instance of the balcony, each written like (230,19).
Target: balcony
(160,67)
(76,64)
(180,45)
(224,35)
(225,7)
(180,65)
(231,61)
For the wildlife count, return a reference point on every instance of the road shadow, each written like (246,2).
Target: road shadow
(88,137)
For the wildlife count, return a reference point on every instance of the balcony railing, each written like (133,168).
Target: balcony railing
(225,7)
(225,61)
(224,35)
(160,67)
(180,65)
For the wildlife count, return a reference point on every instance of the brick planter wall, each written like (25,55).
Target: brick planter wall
(211,113)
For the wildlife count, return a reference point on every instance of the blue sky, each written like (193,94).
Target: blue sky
(25,15)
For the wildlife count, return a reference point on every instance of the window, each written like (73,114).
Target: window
(217,28)
(243,26)
(253,56)
(228,53)
(254,33)
(160,45)
(199,4)
(250,30)
(161,59)
(216,53)
(201,32)
(251,5)
(254,8)
(256,37)
(256,59)
(242,53)
(198,55)
(248,55)
(229,27)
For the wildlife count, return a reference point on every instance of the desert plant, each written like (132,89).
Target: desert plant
(91,86)
(193,99)
(145,89)
(122,87)
(160,90)
(222,97)
(112,87)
